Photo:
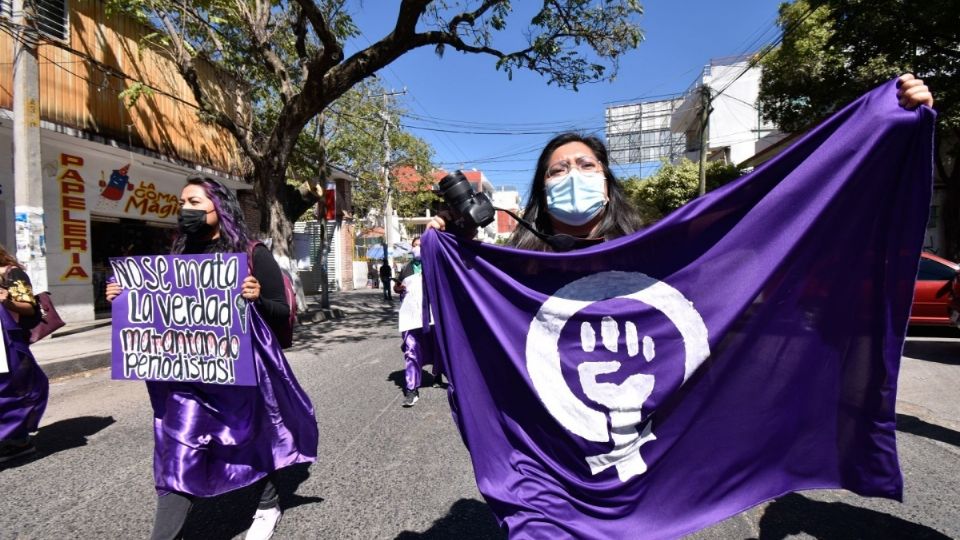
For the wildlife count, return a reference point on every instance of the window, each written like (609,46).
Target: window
(52,17)
(934,271)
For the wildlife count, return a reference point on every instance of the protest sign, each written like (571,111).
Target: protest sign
(181,318)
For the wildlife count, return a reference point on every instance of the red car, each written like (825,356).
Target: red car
(931,297)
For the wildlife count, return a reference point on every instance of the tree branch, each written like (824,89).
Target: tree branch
(257,24)
(332,51)
(188,70)
(472,16)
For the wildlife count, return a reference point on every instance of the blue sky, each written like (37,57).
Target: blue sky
(465,93)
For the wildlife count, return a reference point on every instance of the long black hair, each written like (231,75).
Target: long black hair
(619,216)
(233,229)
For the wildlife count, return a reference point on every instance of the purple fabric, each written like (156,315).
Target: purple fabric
(24,390)
(745,346)
(211,439)
(418,351)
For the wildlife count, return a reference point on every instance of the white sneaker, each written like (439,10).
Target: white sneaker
(264,523)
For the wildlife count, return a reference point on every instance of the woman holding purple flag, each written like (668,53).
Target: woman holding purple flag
(23,385)
(554,403)
(212,439)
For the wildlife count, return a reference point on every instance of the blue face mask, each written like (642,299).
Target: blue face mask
(415,251)
(577,198)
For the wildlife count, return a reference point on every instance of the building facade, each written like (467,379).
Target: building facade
(736,130)
(110,171)
(640,132)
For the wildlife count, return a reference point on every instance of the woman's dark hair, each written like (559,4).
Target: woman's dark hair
(6,259)
(233,230)
(619,216)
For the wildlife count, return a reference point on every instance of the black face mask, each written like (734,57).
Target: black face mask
(193,222)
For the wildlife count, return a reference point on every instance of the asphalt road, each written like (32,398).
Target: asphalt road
(389,472)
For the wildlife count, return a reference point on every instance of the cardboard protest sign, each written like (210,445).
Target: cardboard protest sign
(181,318)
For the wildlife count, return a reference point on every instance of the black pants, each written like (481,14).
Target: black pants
(172,510)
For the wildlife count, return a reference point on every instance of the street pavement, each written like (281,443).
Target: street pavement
(389,472)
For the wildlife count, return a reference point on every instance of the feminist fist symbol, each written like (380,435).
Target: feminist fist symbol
(623,402)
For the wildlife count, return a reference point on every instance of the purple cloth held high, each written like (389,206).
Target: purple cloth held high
(211,439)
(744,347)
(24,390)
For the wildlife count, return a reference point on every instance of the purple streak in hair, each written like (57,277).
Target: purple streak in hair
(233,229)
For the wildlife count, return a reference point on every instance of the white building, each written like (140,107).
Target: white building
(640,132)
(736,131)
(508,198)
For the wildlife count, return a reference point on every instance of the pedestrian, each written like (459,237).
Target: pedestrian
(23,385)
(212,439)
(386,273)
(418,349)
(373,278)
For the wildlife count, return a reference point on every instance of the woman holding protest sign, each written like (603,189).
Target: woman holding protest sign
(212,439)
(23,385)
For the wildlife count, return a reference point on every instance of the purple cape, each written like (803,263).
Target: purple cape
(744,347)
(211,439)
(24,390)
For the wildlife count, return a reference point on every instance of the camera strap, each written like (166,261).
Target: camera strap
(559,242)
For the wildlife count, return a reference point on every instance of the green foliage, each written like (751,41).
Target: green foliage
(835,53)
(265,70)
(134,92)
(835,50)
(672,186)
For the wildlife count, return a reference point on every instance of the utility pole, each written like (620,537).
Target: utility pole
(704,132)
(27,179)
(387,204)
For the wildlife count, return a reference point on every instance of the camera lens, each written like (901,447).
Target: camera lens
(455,189)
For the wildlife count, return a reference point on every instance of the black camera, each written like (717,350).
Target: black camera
(472,209)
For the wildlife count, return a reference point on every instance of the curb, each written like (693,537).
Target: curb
(59,369)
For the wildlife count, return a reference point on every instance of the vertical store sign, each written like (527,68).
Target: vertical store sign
(73,205)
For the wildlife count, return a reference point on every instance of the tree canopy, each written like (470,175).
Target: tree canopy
(277,64)
(835,50)
(674,185)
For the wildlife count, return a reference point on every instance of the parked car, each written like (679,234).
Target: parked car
(931,296)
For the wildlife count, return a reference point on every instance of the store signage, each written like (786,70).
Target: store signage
(73,207)
(118,193)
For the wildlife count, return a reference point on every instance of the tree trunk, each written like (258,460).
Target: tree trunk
(951,209)
(270,180)
(947,158)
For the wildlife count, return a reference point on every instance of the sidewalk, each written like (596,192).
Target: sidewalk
(79,347)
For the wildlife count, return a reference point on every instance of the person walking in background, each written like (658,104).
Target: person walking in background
(386,273)
(212,439)
(418,349)
(23,385)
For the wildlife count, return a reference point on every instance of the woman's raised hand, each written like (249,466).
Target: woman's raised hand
(913,93)
(437,222)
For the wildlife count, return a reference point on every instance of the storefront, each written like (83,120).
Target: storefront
(99,202)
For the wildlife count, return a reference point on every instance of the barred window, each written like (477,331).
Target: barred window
(52,18)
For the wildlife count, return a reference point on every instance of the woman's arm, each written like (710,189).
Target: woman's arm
(17,296)
(268,293)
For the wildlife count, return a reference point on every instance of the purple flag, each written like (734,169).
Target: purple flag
(180,318)
(744,347)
